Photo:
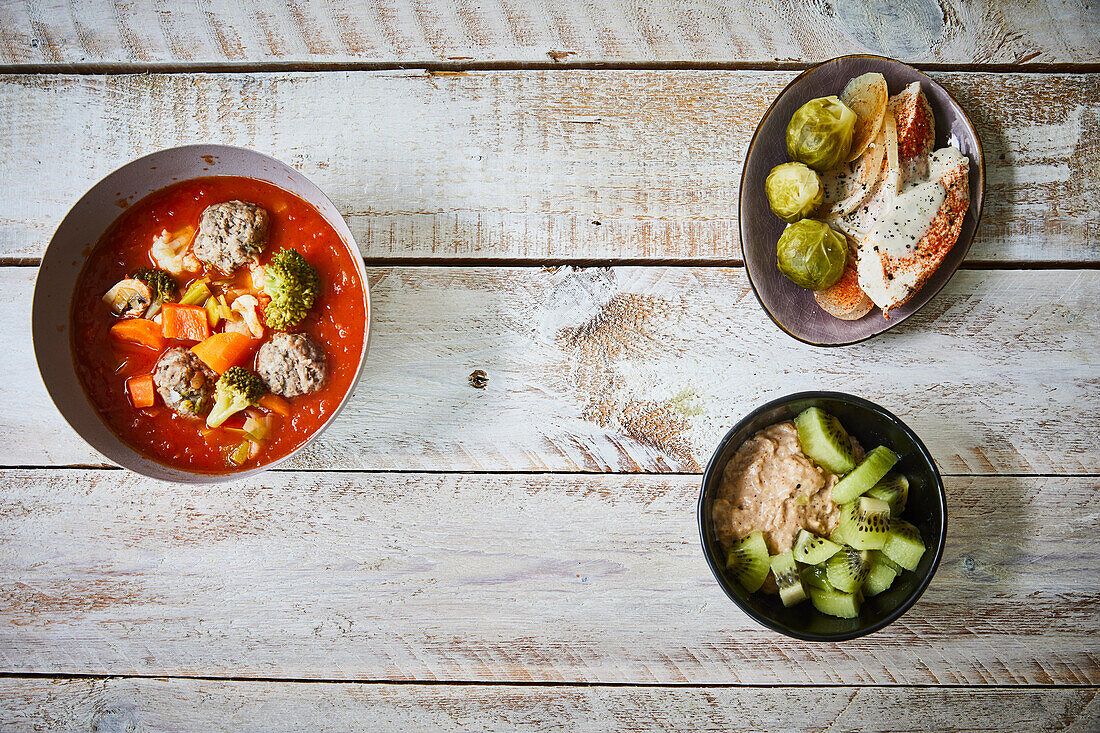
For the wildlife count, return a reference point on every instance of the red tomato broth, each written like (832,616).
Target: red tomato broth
(336,321)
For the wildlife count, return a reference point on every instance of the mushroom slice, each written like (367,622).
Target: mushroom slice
(867,96)
(128,297)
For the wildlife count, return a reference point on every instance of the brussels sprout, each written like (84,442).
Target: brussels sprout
(811,254)
(794,191)
(820,133)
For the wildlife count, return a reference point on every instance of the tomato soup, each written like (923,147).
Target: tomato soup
(109,367)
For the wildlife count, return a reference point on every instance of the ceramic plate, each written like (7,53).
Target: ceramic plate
(792,308)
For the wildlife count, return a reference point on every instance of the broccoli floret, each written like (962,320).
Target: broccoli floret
(292,284)
(161,284)
(237,389)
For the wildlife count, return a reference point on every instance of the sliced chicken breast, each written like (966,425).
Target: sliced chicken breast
(915,123)
(915,231)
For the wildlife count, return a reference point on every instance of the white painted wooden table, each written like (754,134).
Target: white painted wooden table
(547,192)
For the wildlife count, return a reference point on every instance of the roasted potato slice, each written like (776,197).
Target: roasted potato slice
(844,299)
(850,184)
(867,96)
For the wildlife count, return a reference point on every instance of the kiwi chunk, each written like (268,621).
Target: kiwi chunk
(835,603)
(865,522)
(894,490)
(847,569)
(824,440)
(903,544)
(887,561)
(881,575)
(787,579)
(815,576)
(749,561)
(837,537)
(811,549)
(872,468)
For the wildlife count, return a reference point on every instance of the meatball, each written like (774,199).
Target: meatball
(184,383)
(291,364)
(231,234)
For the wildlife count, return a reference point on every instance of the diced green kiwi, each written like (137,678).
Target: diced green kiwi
(887,561)
(749,561)
(811,549)
(835,603)
(815,576)
(824,440)
(880,577)
(864,476)
(787,579)
(847,569)
(837,537)
(865,522)
(893,488)
(903,544)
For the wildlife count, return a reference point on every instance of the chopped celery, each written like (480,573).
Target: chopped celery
(258,428)
(196,294)
(213,312)
(240,454)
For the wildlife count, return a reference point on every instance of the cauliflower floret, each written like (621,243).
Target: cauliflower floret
(256,273)
(248,310)
(172,252)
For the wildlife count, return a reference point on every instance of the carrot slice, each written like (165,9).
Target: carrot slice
(142,393)
(222,350)
(275,403)
(185,322)
(140,331)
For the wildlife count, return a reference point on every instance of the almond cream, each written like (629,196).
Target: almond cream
(770,485)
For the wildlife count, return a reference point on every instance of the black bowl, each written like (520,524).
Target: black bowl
(926,509)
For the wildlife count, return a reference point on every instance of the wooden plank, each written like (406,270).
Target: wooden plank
(54,32)
(644,368)
(45,706)
(512,578)
(527,165)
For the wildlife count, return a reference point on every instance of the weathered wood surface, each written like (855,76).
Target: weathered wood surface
(513,578)
(644,368)
(54,32)
(560,165)
(171,706)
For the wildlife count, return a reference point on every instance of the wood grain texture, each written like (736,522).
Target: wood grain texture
(512,578)
(644,368)
(559,165)
(171,706)
(144,32)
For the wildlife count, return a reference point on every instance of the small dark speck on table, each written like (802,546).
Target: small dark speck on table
(479,379)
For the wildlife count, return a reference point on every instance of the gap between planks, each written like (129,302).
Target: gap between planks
(584,263)
(502,473)
(535,683)
(460,67)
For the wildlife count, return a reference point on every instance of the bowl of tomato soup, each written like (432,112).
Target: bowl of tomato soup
(202,313)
